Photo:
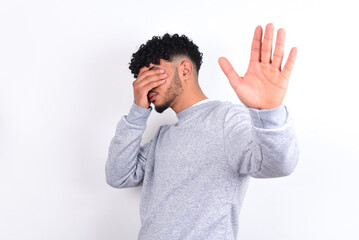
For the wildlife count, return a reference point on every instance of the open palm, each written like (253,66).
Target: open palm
(264,85)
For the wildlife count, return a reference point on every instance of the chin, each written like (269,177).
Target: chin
(160,108)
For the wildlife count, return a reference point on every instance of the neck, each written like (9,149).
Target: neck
(188,99)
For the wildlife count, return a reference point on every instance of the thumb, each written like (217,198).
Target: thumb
(231,74)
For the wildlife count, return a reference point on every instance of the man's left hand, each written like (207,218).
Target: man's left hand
(265,83)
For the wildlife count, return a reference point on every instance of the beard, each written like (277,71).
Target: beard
(171,93)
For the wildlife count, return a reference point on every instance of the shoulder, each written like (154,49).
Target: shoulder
(232,114)
(224,112)
(229,108)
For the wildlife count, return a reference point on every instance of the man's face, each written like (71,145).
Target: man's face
(167,92)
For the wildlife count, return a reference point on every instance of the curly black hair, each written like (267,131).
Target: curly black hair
(165,48)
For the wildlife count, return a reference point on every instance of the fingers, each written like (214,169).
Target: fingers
(287,69)
(228,69)
(144,68)
(151,85)
(150,76)
(266,51)
(262,51)
(146,72)
(256,45)
(279,49)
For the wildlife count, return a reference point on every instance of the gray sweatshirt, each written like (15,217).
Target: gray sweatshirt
(194,173)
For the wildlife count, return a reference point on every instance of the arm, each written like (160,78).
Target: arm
(263,139)
(260,143)
(125,165)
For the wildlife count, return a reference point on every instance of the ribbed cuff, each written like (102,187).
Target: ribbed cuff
(269,118)
(138,115)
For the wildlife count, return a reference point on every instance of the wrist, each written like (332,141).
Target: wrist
(142,104)
(269,118)
(138,115)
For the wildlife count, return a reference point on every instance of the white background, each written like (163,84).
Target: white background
(65,83)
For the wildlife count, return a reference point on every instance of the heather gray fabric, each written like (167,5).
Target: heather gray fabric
(194,173)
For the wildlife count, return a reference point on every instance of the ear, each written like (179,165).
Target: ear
(186,69)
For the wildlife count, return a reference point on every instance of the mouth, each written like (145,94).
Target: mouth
(152,96)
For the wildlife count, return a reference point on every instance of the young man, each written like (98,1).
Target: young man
(194,173)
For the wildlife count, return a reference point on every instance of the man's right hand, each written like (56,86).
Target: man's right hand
(147,79)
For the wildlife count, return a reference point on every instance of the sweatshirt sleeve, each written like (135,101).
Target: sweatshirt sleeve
(261,143)
(125,165)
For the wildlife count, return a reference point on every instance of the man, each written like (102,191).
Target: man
(194,173)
